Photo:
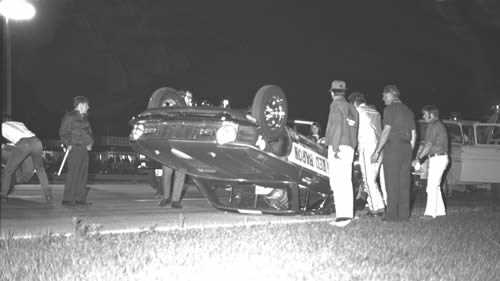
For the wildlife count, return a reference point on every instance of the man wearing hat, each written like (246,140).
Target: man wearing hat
(76,134)
(341,139)
(397,140)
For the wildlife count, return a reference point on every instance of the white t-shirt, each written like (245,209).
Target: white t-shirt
(369,125)
(14,131)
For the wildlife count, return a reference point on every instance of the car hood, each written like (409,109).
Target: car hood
(212,161)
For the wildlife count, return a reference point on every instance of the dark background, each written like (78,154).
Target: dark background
(117,52)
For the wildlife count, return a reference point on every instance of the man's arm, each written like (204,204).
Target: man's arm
(336,129)
(426,146)
(65,130)
(424,151)
(383,139)
(413,138)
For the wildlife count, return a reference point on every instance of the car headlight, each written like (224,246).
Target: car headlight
(137,132)
(226,133)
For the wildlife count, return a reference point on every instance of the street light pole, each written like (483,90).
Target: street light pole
(7,66)
(12,10)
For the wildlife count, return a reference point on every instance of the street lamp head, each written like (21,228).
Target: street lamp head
(17,9)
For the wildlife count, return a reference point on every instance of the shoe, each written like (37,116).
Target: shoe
(426,218)
(341,222)
(164,202)
(48,197)
(83,203)
(375,213)
(176,205)
(67,203)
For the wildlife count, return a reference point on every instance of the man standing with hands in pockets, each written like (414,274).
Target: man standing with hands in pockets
(341,138)
(76,134)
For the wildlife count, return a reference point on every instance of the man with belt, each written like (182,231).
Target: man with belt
(341,139)
(398,140)
(26,144)
(435,146)
(75,132)
(368,134)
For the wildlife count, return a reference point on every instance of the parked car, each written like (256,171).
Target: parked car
(243,160)
(474,155)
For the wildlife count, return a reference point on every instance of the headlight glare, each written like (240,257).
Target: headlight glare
(226,133)
(137,132)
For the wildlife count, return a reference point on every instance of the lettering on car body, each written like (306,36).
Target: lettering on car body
(309,159)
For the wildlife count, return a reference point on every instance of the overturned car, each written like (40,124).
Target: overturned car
(243,160)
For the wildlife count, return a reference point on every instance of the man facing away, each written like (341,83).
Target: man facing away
(397,140)
(435,147)
(368,134)
(341,140)
(75,132)
(26,144)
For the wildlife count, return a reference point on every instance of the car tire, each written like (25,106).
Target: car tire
(166,97)
(270,109)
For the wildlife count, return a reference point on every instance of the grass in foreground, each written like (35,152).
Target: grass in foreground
(462,246)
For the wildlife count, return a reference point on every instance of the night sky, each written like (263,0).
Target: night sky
(117,52)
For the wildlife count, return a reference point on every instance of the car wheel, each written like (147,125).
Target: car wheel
(270,109)
(166,97)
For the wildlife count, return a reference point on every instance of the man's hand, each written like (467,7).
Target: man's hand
(336,154)
(416,164)
(89,147)
(68,148)
(375,156)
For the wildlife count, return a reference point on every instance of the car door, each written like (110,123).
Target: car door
(481,161)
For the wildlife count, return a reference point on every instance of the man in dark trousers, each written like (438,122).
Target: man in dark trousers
(76,134)
(398,140)
(172,192)
(24,145)
(341,139)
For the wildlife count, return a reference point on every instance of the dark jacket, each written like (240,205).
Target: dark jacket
(75,129)
(342,127)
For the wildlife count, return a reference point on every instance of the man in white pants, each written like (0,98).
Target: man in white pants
(368,134)
(341,138)
(435,146)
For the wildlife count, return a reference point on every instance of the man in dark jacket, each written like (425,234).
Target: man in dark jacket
(341,138)
(76,134)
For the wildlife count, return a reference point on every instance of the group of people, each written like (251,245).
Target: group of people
(75,133)
(25,152)
(385,148)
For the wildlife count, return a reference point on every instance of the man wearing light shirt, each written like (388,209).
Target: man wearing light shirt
(368,134)
(26,144)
